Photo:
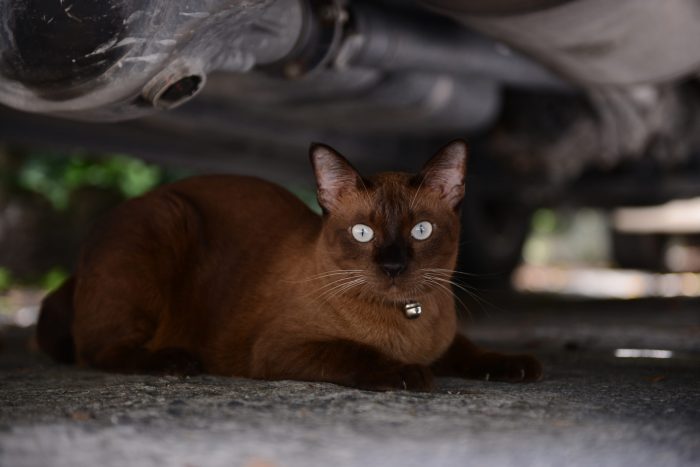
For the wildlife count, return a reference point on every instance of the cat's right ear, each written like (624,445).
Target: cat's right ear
(445,172)
(335,176)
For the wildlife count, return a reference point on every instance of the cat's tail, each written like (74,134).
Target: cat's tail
(53,330)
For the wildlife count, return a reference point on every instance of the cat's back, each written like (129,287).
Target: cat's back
(247,208)
(207,210)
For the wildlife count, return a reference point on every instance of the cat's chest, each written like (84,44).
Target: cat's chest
(419,341)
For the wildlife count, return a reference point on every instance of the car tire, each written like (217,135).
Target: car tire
(639,251)
(493,234)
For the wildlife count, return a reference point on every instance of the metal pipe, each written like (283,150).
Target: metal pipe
(406,42)
(119,59)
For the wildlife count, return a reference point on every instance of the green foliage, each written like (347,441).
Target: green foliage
(544,221)
(5,279)
(567,237)
(55,176)
(53,279)
(308,196)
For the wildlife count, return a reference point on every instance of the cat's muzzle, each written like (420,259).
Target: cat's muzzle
(412,310)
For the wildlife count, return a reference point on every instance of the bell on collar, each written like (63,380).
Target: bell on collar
(412,310)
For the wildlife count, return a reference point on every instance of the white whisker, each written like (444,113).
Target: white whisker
(342,289)
(472,293)
(450,293)
(333,284)
(323,275)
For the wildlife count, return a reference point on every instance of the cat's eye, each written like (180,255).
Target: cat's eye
(422,230)
(362,233)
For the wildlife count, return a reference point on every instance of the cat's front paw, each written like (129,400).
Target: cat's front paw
(407,377)
(493,366)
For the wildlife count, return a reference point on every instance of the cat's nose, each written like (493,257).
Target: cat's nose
(393,269)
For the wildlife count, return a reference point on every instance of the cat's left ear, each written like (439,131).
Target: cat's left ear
(335,176)
(445,172)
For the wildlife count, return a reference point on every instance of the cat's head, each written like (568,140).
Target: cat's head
(393,236)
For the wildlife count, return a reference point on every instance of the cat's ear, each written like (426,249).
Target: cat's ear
(334,175)
(445,172)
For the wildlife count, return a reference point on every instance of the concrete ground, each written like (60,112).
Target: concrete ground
(592,409)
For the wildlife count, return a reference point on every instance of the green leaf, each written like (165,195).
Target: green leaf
(54,278)
(5,279)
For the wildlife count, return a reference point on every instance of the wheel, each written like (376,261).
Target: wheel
(639,251)
(493,233)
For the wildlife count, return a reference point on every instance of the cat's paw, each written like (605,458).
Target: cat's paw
(407,377)
(509,368)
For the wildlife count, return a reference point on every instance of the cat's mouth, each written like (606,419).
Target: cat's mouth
(399,290)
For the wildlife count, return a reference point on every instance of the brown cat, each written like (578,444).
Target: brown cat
(235,276)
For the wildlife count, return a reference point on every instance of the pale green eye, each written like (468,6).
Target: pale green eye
(362,233)
(422,230)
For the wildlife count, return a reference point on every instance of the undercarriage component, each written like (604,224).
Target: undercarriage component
(379,40)
(119,59)
(494,230)
(639,251)
(630,57)
(123,59)
(342,70)
(558,137)
(594,42)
